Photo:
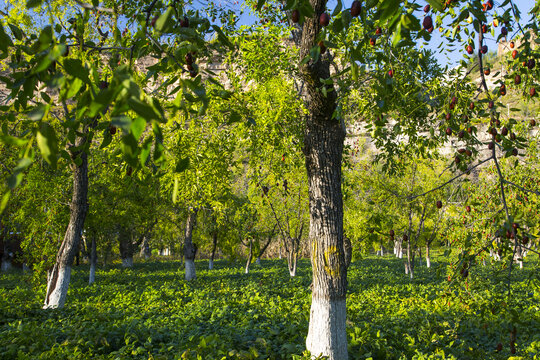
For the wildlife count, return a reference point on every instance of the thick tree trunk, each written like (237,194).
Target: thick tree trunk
(190,249)
(323,147)
(59,276)
(214,247)
(250,256)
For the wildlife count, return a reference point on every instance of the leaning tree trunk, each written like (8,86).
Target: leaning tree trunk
(93,262)
(59,276)
(323,147)
(214,247)
(190,249)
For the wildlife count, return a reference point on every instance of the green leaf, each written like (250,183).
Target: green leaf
(33,3)
(436,4)
(5,199)
(165,22)
(137,127)
(75,68)
(175,191)
(47,143)
(143,109)
(74,88)
(182,165)
(11,140)
(260,4)
(222,37)
(5,40)
(38,112)
(16,31)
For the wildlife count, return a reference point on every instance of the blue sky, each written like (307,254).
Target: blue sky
(444,59)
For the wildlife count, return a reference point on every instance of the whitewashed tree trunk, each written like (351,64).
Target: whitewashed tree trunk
(258,261)
(127,262)
(93,262)
(190,249)
(323,148)
(6,265)
(250,256)
(327,328)
(59,276)
(210,264)
(190,270)
(57,287)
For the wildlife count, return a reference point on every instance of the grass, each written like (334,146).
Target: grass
(150,312)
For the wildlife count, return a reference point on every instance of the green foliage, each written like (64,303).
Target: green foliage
(150,312)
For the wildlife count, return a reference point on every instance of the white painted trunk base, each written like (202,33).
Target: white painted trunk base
(292,273)
(428,262)
(327,331)
(127,262)
(211,265)
(190,270)
(57,298)
(92,276)
(258,261)
(6,265)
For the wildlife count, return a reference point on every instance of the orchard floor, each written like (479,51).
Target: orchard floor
(150,312)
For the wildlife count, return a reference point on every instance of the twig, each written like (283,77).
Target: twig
(92,7)
(411,197)
(521,188)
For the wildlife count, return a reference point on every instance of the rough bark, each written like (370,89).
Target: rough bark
(59,276)
(323,147)
(93,262)
(190,249)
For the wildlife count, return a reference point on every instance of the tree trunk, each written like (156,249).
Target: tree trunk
(190,249)
(214,247)
(145,249)
(59,276)
(93,262)
(126,248)
(323,147)
(409,262)
(250,256)
(428,259)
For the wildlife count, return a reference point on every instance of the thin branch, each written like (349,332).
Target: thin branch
(521,188)
(92,7)
(411,197)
